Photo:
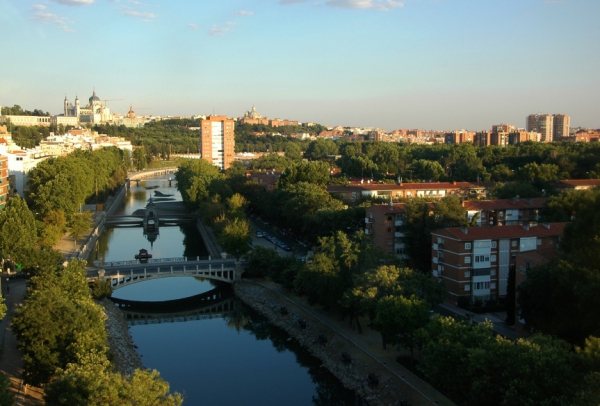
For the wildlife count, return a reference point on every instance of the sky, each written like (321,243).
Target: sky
(427,64)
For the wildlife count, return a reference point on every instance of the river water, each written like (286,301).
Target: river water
(228,358)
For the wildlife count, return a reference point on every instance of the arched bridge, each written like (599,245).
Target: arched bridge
(128,272)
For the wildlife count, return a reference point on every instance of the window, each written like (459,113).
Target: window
(389,218)
(467,274)
(539,241)
(467,260)
(494,244)
(467,245)
(481,285)
(390,242)
(493,285)
(482,258)
(493,258)
(467,288)
(389,229)
(513,243)
(492,272)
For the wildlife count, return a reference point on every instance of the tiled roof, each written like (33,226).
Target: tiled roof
(501,204)
(402,186)
(497,232)
(572,183)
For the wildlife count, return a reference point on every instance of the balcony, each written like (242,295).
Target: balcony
(398,234)
(435,260)
(368,231)
(398,223)
(368,220)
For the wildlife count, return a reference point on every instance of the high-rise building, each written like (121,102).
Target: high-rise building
(543,124)
(562,126)
(217,142)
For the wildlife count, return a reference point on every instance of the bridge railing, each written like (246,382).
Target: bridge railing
(160,261)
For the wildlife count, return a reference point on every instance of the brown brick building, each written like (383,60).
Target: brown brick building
(474,262)
(4,186)
(217,142)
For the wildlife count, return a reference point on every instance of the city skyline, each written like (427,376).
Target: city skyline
(439,65)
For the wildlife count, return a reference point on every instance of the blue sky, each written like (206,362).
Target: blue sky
(429,64)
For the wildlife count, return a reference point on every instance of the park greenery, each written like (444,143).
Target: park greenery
(60,328)
(345,274)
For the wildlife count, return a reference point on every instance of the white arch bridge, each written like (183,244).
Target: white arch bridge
(125,273)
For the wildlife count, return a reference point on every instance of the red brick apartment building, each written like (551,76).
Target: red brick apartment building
(267,178)
(4,186)
(474,262)
(382,223)
(504,212)
(356,192)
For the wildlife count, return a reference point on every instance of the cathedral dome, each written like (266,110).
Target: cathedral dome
(94,98)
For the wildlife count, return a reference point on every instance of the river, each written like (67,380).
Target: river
(229,358)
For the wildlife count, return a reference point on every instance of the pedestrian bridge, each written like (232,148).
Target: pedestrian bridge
(125,273)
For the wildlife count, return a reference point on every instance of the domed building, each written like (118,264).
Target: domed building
(93,112)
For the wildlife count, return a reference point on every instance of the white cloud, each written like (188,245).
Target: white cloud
(244,13)
(74,2)
(193,26)
(230,23)
(215,30)
(42,15)
(354,4)
(365,4)
(138,14)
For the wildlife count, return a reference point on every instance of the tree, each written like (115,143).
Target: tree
(293,151)
(53,228)
(17,229)
(398,319)
(139,158)
(90,382)
(6,397)
(80,224)
(236,237)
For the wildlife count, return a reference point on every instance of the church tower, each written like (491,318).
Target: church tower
(77,107)
(66,106)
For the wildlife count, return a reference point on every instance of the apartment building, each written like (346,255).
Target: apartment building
(382,223)
(4,185)
(504,212)
(474,262)
(562,126)
(217,141)
(541,123)
(432,190)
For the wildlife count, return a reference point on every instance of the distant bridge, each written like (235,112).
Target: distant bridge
(138,220)
(125,273)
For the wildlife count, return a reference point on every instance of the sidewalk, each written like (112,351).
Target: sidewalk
(370,343)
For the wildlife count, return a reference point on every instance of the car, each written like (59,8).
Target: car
(260,234)
(286,248)
(268,236)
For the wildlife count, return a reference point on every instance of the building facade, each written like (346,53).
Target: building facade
(562,126)
(541,123)
(217,143)
(474,262)
(4,185)
(382,223)
(94,112)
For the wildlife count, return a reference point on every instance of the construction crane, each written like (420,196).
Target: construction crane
(107,100)
(131,113)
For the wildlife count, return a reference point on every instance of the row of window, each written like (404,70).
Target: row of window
(468,273)
(481,286)
(481,258)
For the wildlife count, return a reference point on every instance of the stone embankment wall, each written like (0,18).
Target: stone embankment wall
(353,375)
(125,358)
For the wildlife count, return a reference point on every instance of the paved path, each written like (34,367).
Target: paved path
(370,343)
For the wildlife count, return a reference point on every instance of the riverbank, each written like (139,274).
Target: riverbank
(327,340)
(124,358)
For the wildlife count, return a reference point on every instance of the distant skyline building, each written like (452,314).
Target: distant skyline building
(93,112)
(562,126)
(217,141)
(552,127)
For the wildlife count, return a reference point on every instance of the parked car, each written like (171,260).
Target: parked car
(260,234)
